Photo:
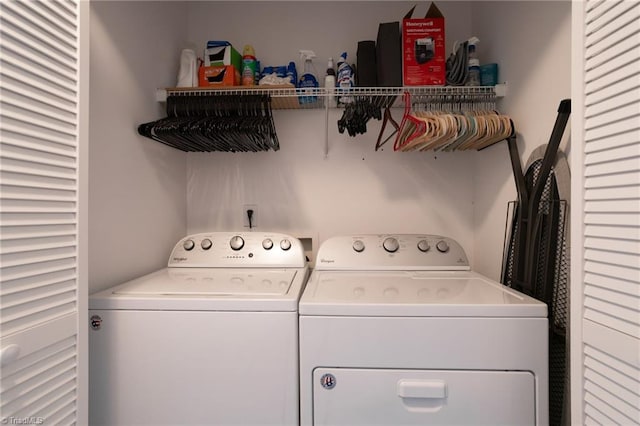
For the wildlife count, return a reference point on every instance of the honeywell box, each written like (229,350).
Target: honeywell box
(423,49)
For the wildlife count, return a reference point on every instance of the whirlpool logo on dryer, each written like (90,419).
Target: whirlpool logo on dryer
(327,260)
(179,259)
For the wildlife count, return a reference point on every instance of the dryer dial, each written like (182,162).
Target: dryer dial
(285,244)
(188,245)
(236,242)
(423,246)
(442,246)
(267,244)
(358,246)
(391,245)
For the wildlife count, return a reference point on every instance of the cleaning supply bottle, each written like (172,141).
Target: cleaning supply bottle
(345,79)
(292,73)
(330,81)
(249,65)
(473,74)
(308,80)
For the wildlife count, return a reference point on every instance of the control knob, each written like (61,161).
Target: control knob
(188,245)
(358,246)
(206,244)
(285,244)
(236,242)
(442,246)
(391,245)
(423,246)
(267,244)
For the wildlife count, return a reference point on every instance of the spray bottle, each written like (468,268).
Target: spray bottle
(473,75)
(308,80)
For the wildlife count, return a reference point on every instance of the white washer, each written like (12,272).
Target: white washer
(211,339)
(397,330)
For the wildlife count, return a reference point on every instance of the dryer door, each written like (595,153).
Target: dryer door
(352,397)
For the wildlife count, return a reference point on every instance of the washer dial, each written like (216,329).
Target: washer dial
(188,245)
(206,244)
(391,245)
(267,244)
(358,246)
(236,242)
(285,244)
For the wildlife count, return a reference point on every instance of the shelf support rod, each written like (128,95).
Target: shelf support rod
(326,128)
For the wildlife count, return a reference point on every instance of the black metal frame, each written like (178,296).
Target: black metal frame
(527,231)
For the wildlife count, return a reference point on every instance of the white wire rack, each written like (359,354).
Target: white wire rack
(292,98)
(288,97)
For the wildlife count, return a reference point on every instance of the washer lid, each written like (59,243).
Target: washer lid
(207,289)
(414,293)
(211,282)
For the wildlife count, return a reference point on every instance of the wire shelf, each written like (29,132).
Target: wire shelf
(289,97)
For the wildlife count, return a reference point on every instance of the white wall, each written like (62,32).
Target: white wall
(137,203)
(145,196)
(531,41)
(279,29)
(354,190)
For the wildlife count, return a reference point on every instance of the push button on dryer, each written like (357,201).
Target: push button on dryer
(423,246)
(442,246)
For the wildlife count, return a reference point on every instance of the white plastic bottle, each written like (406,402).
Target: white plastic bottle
(330,82)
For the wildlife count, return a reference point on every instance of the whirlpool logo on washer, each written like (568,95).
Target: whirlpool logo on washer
(327,261)
(96,322)
(179,259)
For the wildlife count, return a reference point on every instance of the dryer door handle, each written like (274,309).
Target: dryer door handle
(413,388)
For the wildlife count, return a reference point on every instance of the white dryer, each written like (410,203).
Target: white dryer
(210,340)
(397,330)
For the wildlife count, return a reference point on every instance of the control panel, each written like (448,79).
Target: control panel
(391,252)
(239,249)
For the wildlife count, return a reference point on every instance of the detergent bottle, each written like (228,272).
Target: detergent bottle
(345,80)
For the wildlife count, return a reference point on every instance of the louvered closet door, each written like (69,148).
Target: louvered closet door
(606,298)
(39,211)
